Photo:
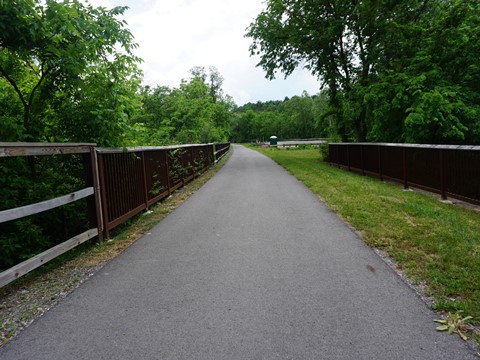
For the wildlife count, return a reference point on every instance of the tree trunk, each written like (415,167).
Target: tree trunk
(362,126)
(26,119)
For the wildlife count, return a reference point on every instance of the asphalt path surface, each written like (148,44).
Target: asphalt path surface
(252,266)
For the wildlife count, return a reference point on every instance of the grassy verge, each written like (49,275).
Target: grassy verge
(27,298)
(435,244)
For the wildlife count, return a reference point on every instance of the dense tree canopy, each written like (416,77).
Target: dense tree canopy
(56,60)
(402,71)
(195,112)
(394,70)
(300,117)
(68,73)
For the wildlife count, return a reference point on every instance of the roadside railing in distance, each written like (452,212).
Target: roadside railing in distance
(120,182)
(133,179)
(221,150)
(449,170)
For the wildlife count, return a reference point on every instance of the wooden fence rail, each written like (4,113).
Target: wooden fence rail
(120,183)
(449,170)
(221,150)
(35,149)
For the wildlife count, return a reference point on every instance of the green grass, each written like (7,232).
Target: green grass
(433,242)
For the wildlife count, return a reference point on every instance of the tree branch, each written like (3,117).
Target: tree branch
(42,77)
(14,85)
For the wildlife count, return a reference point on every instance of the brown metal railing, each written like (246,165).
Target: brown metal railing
(120,183)
(133,179)
(449,170)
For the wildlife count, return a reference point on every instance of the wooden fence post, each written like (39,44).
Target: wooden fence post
(97,192)
(101,171)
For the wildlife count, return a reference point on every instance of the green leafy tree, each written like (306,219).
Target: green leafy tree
(335,40)
(298,117)
(67,73)
(195,112)
(49,47)
(324,116)
(243,128)
(427,89)
(299,109)
(394,70)
(11,128)
(100,107)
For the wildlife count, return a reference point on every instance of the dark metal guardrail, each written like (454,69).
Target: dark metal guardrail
(121,182)
(297,143)
(449,170)
(134,179)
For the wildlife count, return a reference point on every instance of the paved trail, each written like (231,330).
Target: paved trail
(253,266)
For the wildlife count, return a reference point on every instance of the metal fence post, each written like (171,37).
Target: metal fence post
(405,171)
(144,175)
(380,162)
(338,156)
(443,175)
(167,166)
(362,159)
(348,157)
(192,162)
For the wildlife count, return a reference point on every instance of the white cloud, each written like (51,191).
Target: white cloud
(176,35)
(105,3)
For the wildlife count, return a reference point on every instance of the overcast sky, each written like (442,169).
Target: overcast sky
(176,35)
